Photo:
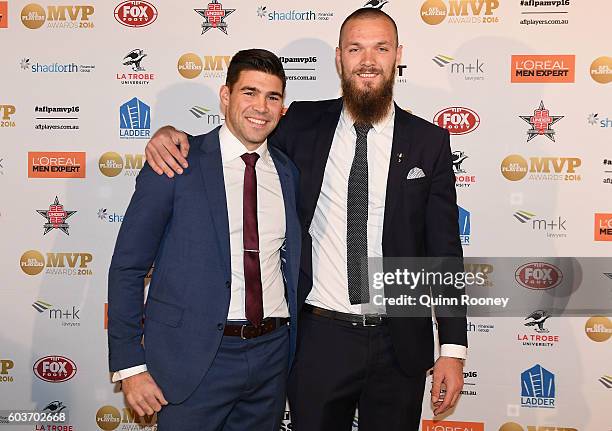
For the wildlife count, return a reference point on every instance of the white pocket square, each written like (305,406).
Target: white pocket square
(415,173)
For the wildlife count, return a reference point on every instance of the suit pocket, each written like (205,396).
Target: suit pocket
(164,312)
(416,182)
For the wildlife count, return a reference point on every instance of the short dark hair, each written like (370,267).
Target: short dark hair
(368,12)
(260,60)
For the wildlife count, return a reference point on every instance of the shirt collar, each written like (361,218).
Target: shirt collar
(232,148)
(346,119)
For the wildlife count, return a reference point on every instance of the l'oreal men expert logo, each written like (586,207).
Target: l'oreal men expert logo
(543,68)
(47,164)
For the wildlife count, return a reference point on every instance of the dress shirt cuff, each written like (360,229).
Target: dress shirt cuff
(128,372)
(453,351)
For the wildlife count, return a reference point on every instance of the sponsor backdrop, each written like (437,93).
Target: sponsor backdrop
(523,86)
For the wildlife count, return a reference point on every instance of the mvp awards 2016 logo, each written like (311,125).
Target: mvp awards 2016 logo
(516,167)
(601,70)
(6,112)
(34,16)
(191,65)
(5,374)
(598,328)
(112,164)
(109,418)
(434,12)
(33,262)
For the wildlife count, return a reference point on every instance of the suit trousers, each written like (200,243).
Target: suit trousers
(244,388)
(340,366)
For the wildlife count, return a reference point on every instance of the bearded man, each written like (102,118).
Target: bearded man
(375,181)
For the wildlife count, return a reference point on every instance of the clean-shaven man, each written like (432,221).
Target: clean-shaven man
(375,181)
(220,316)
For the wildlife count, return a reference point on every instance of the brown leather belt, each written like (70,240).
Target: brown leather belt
(248,331)
(356,319)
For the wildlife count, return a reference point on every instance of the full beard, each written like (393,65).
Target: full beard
(368,106)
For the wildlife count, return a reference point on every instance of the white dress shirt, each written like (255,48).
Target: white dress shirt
(328,227)
(270,225)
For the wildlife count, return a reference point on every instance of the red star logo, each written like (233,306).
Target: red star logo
(214,14)
(56,217)
(540,122)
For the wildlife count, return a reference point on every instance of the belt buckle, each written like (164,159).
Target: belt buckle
(259,329)
(365,318)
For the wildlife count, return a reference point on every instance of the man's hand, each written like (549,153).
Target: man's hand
(447,371)
(143,394)
(166,150)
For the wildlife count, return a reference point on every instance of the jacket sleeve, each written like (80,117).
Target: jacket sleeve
(137,245)
(442,240)
(442,234)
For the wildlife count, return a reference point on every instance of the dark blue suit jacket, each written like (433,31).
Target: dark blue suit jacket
(181,224)
(421,216)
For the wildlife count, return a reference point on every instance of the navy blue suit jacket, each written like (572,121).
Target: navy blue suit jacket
(421,216)
(181,224)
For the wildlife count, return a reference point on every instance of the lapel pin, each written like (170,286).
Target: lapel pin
(399,157)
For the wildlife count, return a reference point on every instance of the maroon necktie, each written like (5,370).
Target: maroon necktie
(252,271)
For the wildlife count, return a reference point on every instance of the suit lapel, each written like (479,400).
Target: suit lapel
(211,169)
(402,137)
(323,142)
